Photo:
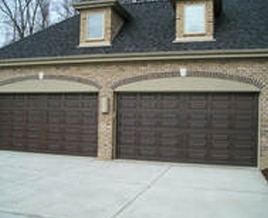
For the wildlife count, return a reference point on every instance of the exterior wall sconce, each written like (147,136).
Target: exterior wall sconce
(105,107)
(41,76)
(183,72)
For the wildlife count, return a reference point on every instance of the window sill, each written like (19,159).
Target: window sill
(94,44)
(194,39)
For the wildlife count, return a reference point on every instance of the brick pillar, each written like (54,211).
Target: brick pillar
(105,126)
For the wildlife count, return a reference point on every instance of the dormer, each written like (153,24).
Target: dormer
(100,21)
(195,19)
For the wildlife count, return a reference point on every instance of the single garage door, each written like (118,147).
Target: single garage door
(54,123)
(188,127)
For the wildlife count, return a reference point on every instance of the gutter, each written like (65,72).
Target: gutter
(134,57)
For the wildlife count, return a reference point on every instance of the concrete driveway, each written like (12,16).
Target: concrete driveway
(52,186)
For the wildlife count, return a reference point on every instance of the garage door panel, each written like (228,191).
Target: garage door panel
(18,132)
(221,115)
(128,131)
(33,145)
(170,102)
(33,127)
(91,132)
(169,123)
(72,138)
(36,117)
(17,103)
(246,160)
(71,148)
(147,123)
(197,124)
(87,103)
(196,155)
(150,152)
(244,126)
(5,116)
(18,117)
(128,121)
(197,105)
(54,129)
(129,102)
(244,145)
(220,155)
(148,102)
(198,115)
(43,123)
(128,140)
(220,106)
(221,141)
(54,104)
(171,115)
(18,142)
(72,104)
(243,106)
(221,124)
(196,141)
(5,142)
(71,97)
(171,152)
(74,130)
(188,127)
(53,146)
(147,138)
(171,139)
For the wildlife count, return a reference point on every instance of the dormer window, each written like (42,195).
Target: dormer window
(100,21)
(194,19)
(95,23)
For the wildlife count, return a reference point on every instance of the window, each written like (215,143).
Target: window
(95,29)
(194,19)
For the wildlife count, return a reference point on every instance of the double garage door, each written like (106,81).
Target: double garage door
(191,127)
(54,123)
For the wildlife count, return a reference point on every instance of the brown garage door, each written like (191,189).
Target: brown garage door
(56,123)
(199,128)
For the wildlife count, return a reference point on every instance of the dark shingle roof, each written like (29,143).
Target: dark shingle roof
(242,25)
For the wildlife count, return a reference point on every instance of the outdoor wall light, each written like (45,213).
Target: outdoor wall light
(41,76)
(183,72)
(105,105)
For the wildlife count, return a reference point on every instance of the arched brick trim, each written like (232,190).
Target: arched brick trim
(52,77)
(257,83)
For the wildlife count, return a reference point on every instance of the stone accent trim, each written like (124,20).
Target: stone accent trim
(257,83)
(52,77)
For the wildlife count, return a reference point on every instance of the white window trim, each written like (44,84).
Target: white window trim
(184,20)
(103,27)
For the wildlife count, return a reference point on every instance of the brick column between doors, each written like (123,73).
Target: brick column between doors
(105,127)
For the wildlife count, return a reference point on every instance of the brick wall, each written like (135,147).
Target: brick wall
(106,75)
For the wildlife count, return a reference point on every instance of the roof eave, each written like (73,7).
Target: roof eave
(133,57)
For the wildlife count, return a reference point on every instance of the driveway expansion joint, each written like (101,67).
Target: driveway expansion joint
(146,188)
(26,215)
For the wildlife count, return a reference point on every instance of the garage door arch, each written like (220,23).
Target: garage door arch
(208,81)
(48,84)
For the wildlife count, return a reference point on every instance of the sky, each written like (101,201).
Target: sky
(53,16)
